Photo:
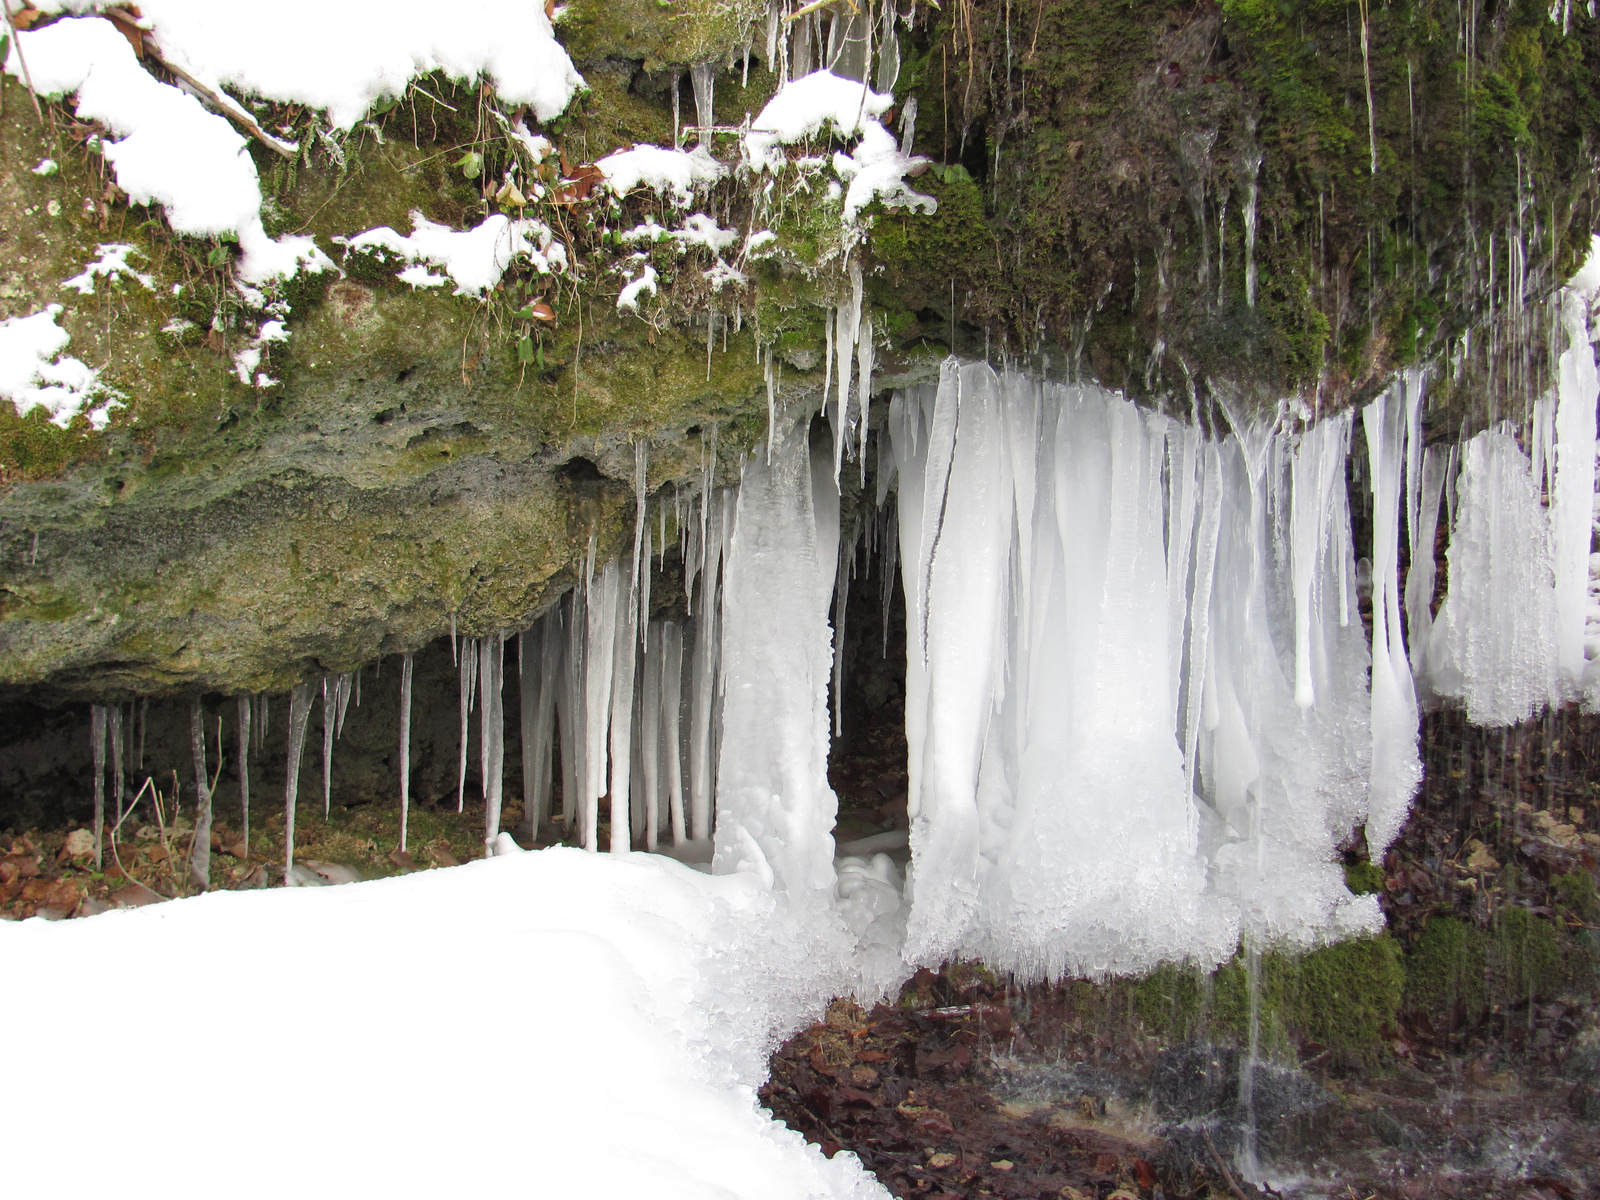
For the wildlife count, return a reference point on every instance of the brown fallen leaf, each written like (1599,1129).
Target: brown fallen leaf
(403,860)
(52,893)
(442,857)
(18,866)
(238,850)
(941,1160)
(79,844)
(135,895)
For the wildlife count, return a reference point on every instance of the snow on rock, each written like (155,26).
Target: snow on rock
(804,107)
(342,55)
(474,259)
(644,282)
(643,997)
(170,150)
(679,173)
(876,170)
(32,376)
(112,266)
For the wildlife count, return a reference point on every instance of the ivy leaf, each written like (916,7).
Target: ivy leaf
(525,313)
(540,353)
(218,256)
(382,105)
(471,164)
(525,350)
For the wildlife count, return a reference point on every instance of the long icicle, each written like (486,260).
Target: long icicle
(114,732)
(246,711)
(330,704)
(467,665)
(299,715)
(97,750)
(200,850)
(405,747)
(493,718)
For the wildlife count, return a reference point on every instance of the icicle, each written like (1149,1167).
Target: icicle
(97,753)
(570,704)
(118,779)
(775,810)
(625,660)
(1423,569)
(703,78)
(330,704)
(1572,508)
(1494,643)
(467,670)
(299,715)
(1396,770)
(865,352)
(200,850)
(405,748)
(493,718)
(772,402)
(650,740)
(599,670)
(536,771)
(841,602)
(246,709)
(453,637)
(703,695)
(671,735)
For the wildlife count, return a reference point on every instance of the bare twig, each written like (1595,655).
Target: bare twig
(226,105)
(1221,1166)
(27,76)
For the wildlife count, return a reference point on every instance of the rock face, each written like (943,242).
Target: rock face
(1229,204)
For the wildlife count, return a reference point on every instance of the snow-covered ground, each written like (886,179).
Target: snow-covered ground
(552,1024)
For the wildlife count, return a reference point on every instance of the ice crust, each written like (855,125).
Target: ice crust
(1104,609)
(474,259)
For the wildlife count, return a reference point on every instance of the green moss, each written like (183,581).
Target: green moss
(1445,971)
(1364,878)
(1579,895)
(1525,958)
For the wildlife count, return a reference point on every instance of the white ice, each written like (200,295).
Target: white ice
(1494,644)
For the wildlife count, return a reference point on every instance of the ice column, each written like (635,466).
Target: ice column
(1572,506)
(1396,769)
(1494,645)
(775,810)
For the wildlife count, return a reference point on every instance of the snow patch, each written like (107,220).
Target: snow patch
(112,266)
(685,982)
(32,376)
(678,172)
(634,288)
(170,150)
(475,259)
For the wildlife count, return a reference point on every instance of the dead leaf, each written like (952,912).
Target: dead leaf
(542,311)
(18,866)
(135,895)
(60,894)
(1002,1164)
(239,849)
(1144,1172)
(941,1160)
(25,18)
(442,857)
(403,860)
(80,844)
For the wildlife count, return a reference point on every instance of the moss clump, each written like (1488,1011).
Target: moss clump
(1445,971)
(1526,959)
(1363,878)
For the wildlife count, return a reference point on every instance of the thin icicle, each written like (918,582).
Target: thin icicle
(599,671)
(200,850)
(118,779)
(671,735)
(467,671)
(299,716)
(626,657)
(246,711)
(492,717)
(97,752)
(405,747)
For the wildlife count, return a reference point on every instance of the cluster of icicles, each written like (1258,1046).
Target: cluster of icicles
(1142,708)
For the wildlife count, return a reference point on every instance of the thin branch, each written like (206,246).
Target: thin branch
(27,76)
